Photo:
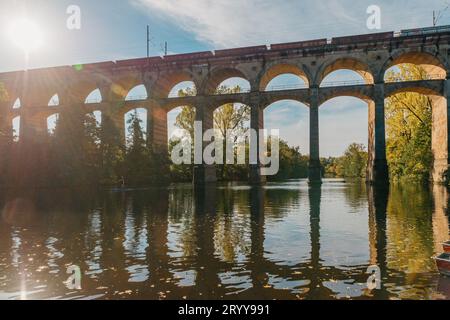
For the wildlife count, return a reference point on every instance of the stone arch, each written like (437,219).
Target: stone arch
(97,114)
(269,101)
(426,91)
(335,111)
(131,105)
(17,104)
(82,88)
(219,75)
(360,93)
(226,99)
(170,106)
(138,92)
(433,64)
(38,96)
(238,138)
(51,122)
(295,109)
(276,70)
(174,91)
(345,63)
(16,128)
(121,86)
(95,96)
(172,114)
(54,101)
(164,84)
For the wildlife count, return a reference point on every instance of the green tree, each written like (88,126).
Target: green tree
(354,162)
(112,152)
(75,149)
(332,167)
(181,172)
(185,120)
(143,166)
(293,165)
(137,165)
(229,121)
(408,123)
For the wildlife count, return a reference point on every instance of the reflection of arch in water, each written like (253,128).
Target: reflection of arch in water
(207,281)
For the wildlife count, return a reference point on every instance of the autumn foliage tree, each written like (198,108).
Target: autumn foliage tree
(408,127)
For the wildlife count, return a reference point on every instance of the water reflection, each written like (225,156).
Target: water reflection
(282,241)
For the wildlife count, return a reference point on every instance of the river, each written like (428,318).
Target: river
(285,240)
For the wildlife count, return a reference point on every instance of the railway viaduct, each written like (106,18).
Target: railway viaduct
(369,55)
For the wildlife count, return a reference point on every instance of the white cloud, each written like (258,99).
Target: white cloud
(232,23)
(229,23)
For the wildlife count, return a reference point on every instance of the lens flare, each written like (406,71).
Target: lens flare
(25,34)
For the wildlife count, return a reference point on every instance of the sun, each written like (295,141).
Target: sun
(25,34)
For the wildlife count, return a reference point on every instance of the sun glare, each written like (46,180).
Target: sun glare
(25,34)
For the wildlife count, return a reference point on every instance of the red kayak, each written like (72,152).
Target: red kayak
(443,264)
(446,246)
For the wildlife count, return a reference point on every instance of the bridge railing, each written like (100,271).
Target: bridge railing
(411,79)
(326,84)
(287,87)
(92,101)
(136,98)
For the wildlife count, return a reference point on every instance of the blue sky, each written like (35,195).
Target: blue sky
(115,29)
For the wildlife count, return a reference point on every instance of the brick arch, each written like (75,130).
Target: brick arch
(274,99)
(80,90)
(433,64)
(52,100)
(345,63)
(220,74)
(48,116)
(127,107)
(12,93)
(145,96)
(92,91)
(275,70)
(10,100)
(362,94)
(172,105)
(165,82)
(37,96)
(122,85)
(226,100)
(427,91)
